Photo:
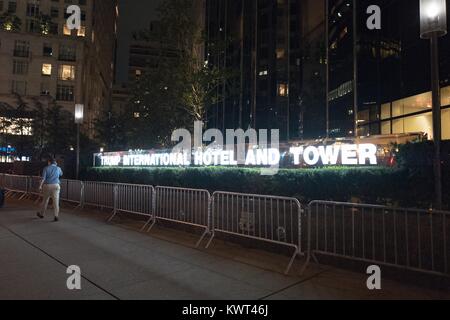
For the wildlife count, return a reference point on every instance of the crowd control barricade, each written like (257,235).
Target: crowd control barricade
(412,239)
(15,184)
(98,194)
(134,199)
(34,184)
(271,219)
(72,191)
(186,206)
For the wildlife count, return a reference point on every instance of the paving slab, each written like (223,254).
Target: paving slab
(122,263)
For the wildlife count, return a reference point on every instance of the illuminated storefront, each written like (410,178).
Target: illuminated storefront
(410,115)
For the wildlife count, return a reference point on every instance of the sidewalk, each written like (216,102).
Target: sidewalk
(121,263)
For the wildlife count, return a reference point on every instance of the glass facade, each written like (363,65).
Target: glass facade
(392,75)
(263,46)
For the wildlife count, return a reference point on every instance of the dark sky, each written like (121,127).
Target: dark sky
(134,15)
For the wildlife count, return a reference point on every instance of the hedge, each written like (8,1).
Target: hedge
(378,185)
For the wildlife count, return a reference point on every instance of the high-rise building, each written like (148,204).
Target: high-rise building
(379,80)
(263,44)
(42,59)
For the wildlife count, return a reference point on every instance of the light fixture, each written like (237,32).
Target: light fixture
(79,113)
(433,18)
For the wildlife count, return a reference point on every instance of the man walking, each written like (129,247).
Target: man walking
(50,186)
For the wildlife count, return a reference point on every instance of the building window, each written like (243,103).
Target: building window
(67,53)
(19,87)
(46,69)
(21,49)
(66,72)
(283,90)
(12,7)
(47,50)
(54,12)
(45,89)
(280,53)
(82,31)
(64,93)
(66,30)
(20,67)
(32,10)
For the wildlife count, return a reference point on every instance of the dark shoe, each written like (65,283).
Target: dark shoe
(40,216)
(56,219)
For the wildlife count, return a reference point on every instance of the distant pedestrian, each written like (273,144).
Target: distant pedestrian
(50,187)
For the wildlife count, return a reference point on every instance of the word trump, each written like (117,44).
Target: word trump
(347,154)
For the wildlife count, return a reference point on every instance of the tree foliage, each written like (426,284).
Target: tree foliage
(10,22)
(179,86)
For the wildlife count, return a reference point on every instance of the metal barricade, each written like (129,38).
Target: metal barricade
(186,206)
(72,191)
(134,199)
(271,219)
(16,184)
(34,184)
(407,238)
(98,194)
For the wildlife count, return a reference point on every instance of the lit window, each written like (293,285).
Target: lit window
(66,72)
(280,53)
(137,114)
(66,30)
(283,90)
(46,69)
(138,73)
(82,31)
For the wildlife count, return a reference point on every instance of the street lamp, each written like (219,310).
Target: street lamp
(79,116)
(433,24)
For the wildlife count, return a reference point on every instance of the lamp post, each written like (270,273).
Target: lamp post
(79,115)
(433,25)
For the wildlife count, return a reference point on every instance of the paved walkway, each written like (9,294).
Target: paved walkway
(119,263)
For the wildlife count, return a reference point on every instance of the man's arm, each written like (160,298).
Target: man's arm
(44,177)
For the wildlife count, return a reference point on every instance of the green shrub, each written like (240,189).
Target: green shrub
(399,186)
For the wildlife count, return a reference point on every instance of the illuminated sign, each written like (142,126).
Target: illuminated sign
(304,156)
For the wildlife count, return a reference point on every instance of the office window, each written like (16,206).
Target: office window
(67,52)
(21,48)
(32,10)
(283,90)
(19,87)
(54,12)
(66,30)
(82,31)
(12,7)
(45,89)
(47,50)
(281,53)
(20,67)
(46,69)
(66,72)
(64,93)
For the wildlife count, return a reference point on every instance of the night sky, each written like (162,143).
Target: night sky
(134,15)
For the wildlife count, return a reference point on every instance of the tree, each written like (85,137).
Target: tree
(10,22)
(39,127)
(60,128)
(110,129)
(181,86)
(45,22)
